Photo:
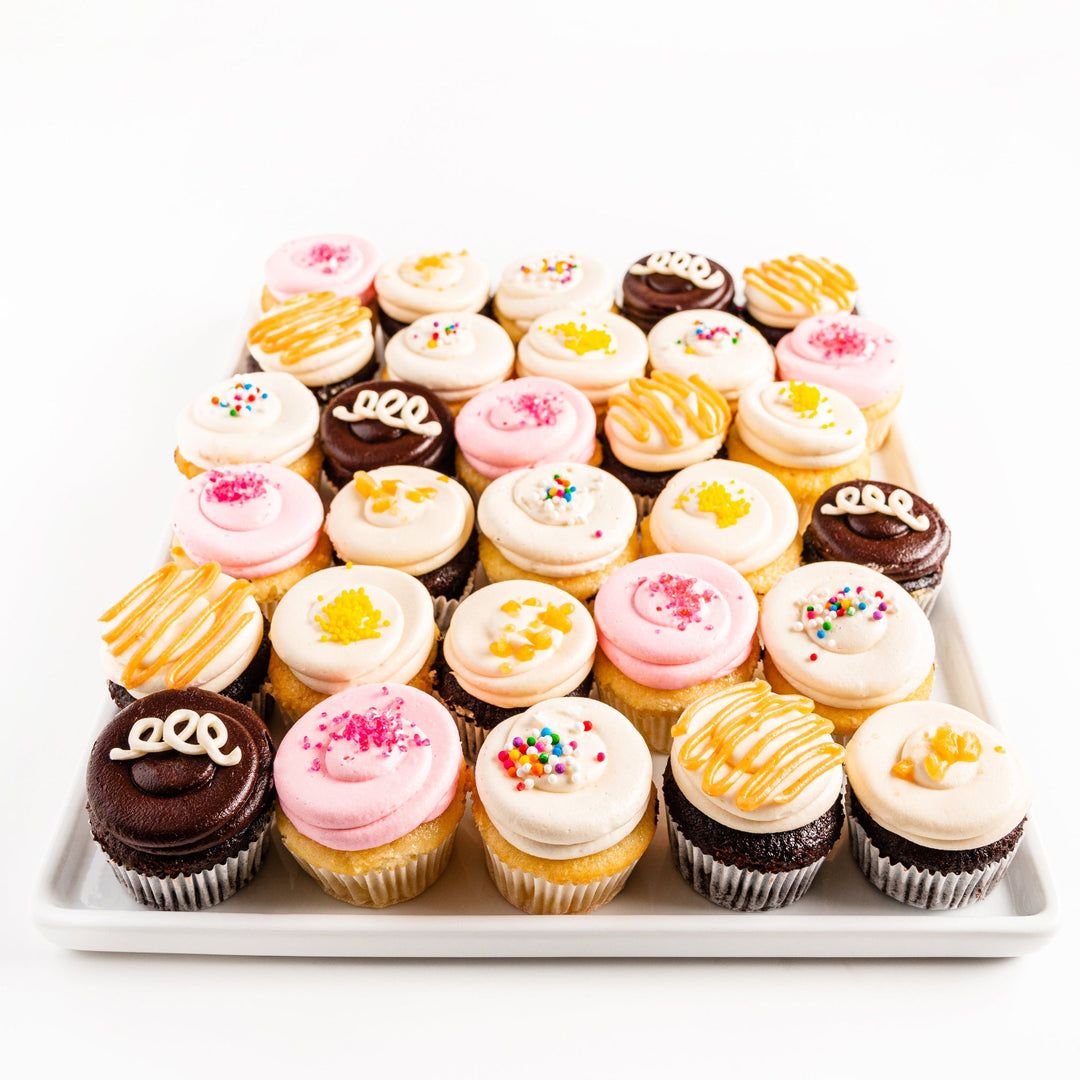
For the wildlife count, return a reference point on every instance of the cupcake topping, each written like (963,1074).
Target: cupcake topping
(714,497)
(693,268)
(942,759)
(544,759)
(342,264)
(545,274)
(436,271)
(151,735)
(870,499)
(800,285)
(580,338)
(537,284)
(418,285)
(239,401)
(393,408)
(851,620)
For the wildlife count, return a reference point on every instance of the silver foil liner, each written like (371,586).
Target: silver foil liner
(735,888)
(193,892)
(925,598)
(644,506)
(927,889)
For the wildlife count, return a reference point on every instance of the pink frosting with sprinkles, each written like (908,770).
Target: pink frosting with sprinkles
(524,422)
(670,621)
(332,262)
(367,766)
(844,352)
(255,520)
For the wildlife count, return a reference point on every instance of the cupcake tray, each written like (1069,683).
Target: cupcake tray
(282,912)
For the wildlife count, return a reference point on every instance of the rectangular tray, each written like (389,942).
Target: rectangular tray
(282,912)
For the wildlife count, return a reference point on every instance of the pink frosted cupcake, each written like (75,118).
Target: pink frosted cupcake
(850,354)
(330,262)
(259,522)
(672,629)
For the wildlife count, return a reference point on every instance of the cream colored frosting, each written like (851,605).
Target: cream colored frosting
(413,286)
(558,816)
(977,803)
(265,416)
(346,625)
(736,513)
(874,657)
(416,520)
(539,283)
(726,352)
(539,530)
(456,355)
(801,425)
(595,350)
(514,643)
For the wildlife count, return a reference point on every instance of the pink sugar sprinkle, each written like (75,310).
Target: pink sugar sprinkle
(383,729)
(684,598)
(839,340)
(543,408)
(327,257)
(234,487)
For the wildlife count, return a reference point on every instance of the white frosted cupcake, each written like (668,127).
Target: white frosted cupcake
(412,286)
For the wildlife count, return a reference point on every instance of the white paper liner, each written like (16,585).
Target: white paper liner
(735,888)
(925,598)
(193,892)
(383,888)
(927,889)
(656,730)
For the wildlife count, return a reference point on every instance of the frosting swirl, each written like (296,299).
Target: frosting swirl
(542,282)
(332,262)
(444,281)
(783,292)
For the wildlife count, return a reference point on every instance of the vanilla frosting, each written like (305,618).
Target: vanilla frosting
(413,286)
(846,635)
(783,292)
(801,425)
(349,625)
(560,519)
(456,355)
(726,352)
(514,643)
(331,262)
(585,799)
(595,350)
(736,513)
(403,516)
(542,282)
(973,799)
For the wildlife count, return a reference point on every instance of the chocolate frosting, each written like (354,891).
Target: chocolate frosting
(179,804)
(879,541)
(648,298)
(370,444)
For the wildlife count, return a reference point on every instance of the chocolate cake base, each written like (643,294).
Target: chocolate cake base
(324,393)
(640,482)
(812,553)
(450,579)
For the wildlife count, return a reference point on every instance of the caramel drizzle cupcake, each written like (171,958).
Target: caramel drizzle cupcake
(309,324)
(692,399)
(799,279)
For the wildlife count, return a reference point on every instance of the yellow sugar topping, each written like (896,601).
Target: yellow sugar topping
(350,617)
(714,498)
(805,399)
(582,338)
(427,265)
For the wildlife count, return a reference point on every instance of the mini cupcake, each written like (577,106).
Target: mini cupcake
(735,513)
(672,629)
(568,524)
(181,629)
(348,626)
(850,354)
(885,527)
(457,356)
(509,646)
(272,417)
(848,638)
(808,437)
(565,805)
(722,350)
(659,426)
(781,293)
(259,522)
(413,286)
(375,424)
(664,282)
(411,519)
(596,351)
(371,788)
(936,805)
(179,790)
(325,341)
(520,424)
(332,262)
(753,797)
(538,284)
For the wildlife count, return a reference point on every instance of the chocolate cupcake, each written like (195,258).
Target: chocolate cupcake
(664,282)
(179,790)
(381,423)
(884,527)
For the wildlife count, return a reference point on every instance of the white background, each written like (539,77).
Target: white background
(154,154)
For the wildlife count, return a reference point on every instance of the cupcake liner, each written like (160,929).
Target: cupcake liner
(383,888)
(644,505)
(445,607)
(732,887)
(655,729)
(193,892)
(928,889)
(925,598)
(472,734)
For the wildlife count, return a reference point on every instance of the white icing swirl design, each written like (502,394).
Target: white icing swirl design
(394,408)
(871,500)
(693,268)
(417,285)
(210,733)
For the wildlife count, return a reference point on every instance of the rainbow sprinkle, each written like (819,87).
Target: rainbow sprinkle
(703,332)
(543,752)
(244,396)
(560,488)
(560,272)
(824,617)
(448,332)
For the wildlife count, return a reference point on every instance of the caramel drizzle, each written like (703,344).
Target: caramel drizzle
(644,405)
(165,599)
(805,280)
(794,743)
(308,324)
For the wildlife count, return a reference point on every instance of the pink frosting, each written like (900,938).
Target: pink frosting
(255,520)
(844,352)
(524,422)
(367,766)
(670,621)
(332,262)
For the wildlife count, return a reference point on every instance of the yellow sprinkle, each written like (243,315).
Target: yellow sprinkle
(582,339)
(805,399)
(511,607)
(349,617)
(524,653)
(713,498)
(500,648)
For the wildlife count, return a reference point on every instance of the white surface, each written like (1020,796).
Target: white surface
(155,154)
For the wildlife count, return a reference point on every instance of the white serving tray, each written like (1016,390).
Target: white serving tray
(283,912)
